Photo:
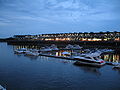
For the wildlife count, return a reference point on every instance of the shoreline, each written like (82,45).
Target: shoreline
(87,44)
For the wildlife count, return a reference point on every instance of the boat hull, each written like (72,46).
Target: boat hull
(89,64)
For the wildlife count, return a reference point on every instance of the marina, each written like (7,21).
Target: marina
(53,72)
(82,56)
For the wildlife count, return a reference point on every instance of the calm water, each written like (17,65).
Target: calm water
(18,72)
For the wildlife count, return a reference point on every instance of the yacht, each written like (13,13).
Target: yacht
(46,49)
(112,63)
(89,59)
(54,47)
(77,47)
(66,53)
(30,53)
(2,88)
(69,46)
(19,51)
(106,50)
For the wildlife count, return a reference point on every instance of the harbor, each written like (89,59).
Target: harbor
(53,66)
(93,53)
(71,52)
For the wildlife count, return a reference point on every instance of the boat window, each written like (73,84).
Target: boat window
(88,57)
(82,55)
(95,58)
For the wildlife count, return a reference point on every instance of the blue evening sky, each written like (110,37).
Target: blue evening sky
(58,16)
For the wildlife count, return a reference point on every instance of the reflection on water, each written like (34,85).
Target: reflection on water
(117,70)
(112,57)
(26,46)
(92,70)
(48,73)
(31,57)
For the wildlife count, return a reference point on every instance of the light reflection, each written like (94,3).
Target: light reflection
(111,57)
(26,46)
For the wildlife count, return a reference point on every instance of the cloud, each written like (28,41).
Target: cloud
(38,19)
(3,24)
(60,15)
(68,4)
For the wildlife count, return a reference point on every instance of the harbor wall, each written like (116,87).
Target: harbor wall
(113,44)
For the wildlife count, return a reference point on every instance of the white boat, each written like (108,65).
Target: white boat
(112,63)
(53,47)
(65,53)
(33,50)
(32,53)
(27,51)
(89,59)
(18,51)
(106,50)
(43,49)
(2,88)
(69,46)
(77,47)
(21,50)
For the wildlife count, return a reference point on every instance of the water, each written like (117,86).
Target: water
(18,72)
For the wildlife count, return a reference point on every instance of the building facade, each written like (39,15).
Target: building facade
(100,36)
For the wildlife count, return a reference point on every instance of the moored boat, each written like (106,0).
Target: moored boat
(45,49)
(21,50)
(54,47)
(111,63)
(32,53)
(65,53)
(77,47)
(89,59)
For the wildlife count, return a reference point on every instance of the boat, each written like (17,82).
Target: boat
(69,46)
(112,63)
(106,50)
(18,51)
(89,59)
(65,53)
(77,47)
(30,53)
(54,47)
(33,50)
(2,88)
(21,50)
(46,49)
